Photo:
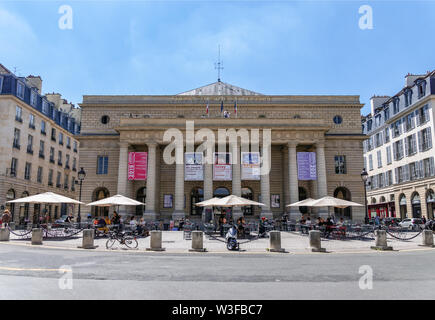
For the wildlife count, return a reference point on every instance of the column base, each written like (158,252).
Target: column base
(178,214)
(149,216)
(267,214)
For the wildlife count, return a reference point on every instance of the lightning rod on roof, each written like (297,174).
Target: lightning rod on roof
(219,65)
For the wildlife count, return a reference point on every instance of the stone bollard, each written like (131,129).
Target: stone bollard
(275,242)
(381,241)
(427,238)
(88,239)
(4,234)
(197,242)
(156,241)
(315,241)
(37,236)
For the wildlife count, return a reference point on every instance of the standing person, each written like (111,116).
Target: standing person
(6,218)
(116,221)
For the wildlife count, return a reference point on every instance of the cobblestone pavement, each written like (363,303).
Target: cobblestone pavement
(173,241)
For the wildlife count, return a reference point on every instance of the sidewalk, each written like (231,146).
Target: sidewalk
(173,241)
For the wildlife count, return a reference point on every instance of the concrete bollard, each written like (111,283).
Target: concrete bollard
(37,236)
(315,241)
(197,242)
(381,241)
(275,242)
(88,239)
(4,234)
(156,241)
(427,238)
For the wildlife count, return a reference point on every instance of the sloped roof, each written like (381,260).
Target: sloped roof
(219,88)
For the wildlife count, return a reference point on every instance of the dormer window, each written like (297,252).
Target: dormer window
(20,89)
(386,113)
(33,96)
(396,101)
(421,87)
(44,106)
(369,125)
(378,120)
(1,84)
(408,97)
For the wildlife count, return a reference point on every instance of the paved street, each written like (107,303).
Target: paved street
(33,273)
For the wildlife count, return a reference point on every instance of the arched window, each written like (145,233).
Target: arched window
(196,195)
(141,196)
(24,207)
(343,193)
(382,199)
(248,194)
(221,192)
(303,196)
(99,194)
(430,200)
(373,200)
(416,205)
(402,205)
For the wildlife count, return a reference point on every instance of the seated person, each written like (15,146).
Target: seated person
(329,226)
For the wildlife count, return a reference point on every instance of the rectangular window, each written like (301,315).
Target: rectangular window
(39,176)
(378,155)
(50,177)
(58,185)
(422,115)
(408,121)
(59,157)
(65,182)
(389,158)
(387,135)
(16,143)
(386,114)
(74,165)
(370,162)
(75,146)
(73,181)
(51,154)
(398,150)
(425,139)
(421,87)
(53,134)
(20,89)
(410,145)
(32,121)
(14,167)
(340,164)
(44,106)
(102,164)
(68,142)
(41,149)
(408,97)
(414,171)
(396,128)
(43,127)
(378,139)
(18,114)
(60,138)
(67,161)
(30,144)
(27,171)
(396,102)
(428,167)
(378,120)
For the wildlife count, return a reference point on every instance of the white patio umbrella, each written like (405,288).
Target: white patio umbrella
(235,201)
(47,197)
(303,203)
(116,200)
(206,203)
(334,202)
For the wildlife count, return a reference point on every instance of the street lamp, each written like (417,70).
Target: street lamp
(364,177)
(81,176)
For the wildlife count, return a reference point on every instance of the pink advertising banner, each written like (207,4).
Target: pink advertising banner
(137,165)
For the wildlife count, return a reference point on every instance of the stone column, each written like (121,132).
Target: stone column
(150,207)
(208,186)
(122,173)
(179,187)
(236,183)
(322,188)
(265,184)
(293,180)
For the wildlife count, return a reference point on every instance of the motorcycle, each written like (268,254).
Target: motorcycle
(231,238)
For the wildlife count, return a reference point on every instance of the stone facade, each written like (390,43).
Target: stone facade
(112,126)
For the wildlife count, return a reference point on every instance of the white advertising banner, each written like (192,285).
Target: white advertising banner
(250,165)
(193,166)
(222,170)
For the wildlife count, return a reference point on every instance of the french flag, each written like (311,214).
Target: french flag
(235,107)
(207,108)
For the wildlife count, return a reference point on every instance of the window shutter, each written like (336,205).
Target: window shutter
(431,166)
(406,146)
(406,167)
(429,137)
(417,117)
(396,175)
(420,141)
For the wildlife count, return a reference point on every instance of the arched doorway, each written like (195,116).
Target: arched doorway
(302,196)
(141,196)
(430,200)
(343,193)
(221,192)
(402,206)
(10,195)
(248,194)
(196,195)
(416,205)
(99,194)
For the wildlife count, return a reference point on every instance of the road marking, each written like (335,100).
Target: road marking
(34,269)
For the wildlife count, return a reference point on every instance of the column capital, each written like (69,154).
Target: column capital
(123,144)
(320,144)
(292,144)
(151,144)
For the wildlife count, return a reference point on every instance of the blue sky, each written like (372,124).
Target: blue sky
(167,47)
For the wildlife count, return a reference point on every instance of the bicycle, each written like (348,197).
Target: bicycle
(122,238)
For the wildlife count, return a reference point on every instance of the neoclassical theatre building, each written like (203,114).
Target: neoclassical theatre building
(316,150)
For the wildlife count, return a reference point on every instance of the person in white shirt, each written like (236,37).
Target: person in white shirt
(133,224)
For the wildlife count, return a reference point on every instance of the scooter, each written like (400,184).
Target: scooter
(231,238)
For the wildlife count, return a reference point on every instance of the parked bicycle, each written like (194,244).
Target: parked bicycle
(123,239)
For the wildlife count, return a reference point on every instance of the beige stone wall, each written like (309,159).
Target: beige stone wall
(7,152)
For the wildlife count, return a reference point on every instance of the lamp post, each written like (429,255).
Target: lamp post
(364,177)
(81,176)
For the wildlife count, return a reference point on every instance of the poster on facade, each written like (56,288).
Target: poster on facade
(222,170)
(167,200)
(275,201)
(306,166)
(250,165)
(193,166)
(137,165)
